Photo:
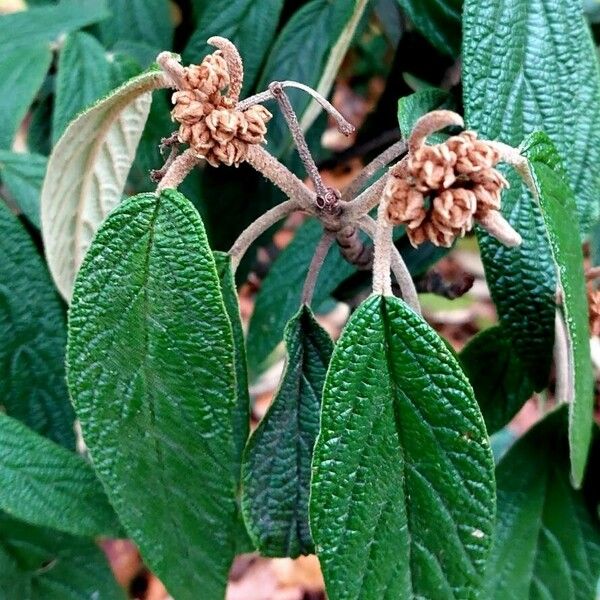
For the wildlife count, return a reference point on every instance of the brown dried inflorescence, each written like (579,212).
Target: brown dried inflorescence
(440,190)
(208,120)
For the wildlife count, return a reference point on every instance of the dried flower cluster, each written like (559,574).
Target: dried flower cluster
(440,190)
(209,121)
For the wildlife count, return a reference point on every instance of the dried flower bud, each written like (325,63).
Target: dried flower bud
(405,204)
(472,155)
(432,167)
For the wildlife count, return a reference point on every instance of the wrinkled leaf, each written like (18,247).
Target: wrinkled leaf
(558,210)
(277,461)
(43,564)
(438,20)
(309,49)
(412,108)
(159,424)
(44,484)
(547,541)
(87,171)
(497,375)
(83,77)
(402,498)
(22,174)
(33,334)
(239,21)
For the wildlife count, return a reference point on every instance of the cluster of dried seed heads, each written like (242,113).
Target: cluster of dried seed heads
(208,120)
(439,191)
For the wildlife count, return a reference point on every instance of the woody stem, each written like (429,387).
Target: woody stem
(315,266)
(178,170)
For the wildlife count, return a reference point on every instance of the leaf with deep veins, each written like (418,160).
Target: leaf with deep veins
(402,498)
(87,171)
(151,373)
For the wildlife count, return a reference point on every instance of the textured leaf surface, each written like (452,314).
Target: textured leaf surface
(33,334)
(83,77)
(86,174)
(22,174)
(309,49)
(44,484)
(239,21)
(152,377)
(277,461)
(402,499)
(547,541)
(22,72)
(280,293)
(438,20)
(558,210)
(497,375)
(412,108)
(43,564)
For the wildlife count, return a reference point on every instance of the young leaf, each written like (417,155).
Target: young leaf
(87,171)
(558,210)
(546,543)
(22,72)
(516,85)
(277,461)
(33,334)
(309,49)
(146,22)
(438,20)
(83,77)
(280,293)
(250,25)
(151,373)
(43,564)
(402,497)
(412,108)
(22,174)
(497,375)
(44,484)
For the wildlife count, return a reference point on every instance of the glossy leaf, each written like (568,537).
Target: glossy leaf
(438,20)
(33,334)
(83,76)
(248,24)
(309,49)
(558,210)
(160,423)
(547,540)
(22,174)
(402,498)
(280,293)
(277,461)
(86,174)
(43,564)
(497,375)
(44,484)
(22,72)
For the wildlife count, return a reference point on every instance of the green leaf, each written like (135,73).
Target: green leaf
(83,77)
(151,373)
(33,334)
(513,85)
(248,24)
(402,498)
(438,20)
(558,210)
(497,375)
(309,49)
(519,84)
(277,461)
(22,174)
(147,22)
(44,484)
(22,72)
(412,108)
(280,292)
(547,541)
(87,171)
(43,564)
(47,24)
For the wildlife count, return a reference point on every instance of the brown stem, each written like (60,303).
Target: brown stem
(315,266)
(380,161)
(235,66)
(496,225)
(433,282)
(353,249)
(171,64)
(365,202)
(178,170)
(430,123)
